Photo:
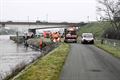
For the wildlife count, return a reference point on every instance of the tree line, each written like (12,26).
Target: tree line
(109,10)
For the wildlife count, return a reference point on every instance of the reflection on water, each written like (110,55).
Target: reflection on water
(12,54)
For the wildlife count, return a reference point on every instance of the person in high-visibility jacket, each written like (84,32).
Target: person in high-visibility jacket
(41,44)
(56,37)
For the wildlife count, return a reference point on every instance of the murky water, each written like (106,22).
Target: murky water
(12,54)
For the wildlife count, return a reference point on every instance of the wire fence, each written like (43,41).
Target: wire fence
(109,42)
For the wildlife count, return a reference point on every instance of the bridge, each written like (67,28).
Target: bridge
(33,26)
(49,27)
(40,23)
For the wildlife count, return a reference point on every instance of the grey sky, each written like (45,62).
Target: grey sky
(51,10)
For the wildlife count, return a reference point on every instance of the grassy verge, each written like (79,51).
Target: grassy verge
(97,28)
(115,51)
(48,67)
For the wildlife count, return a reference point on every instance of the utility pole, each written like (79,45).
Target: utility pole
(88,19)
(37,18)
(47,17)
(28,20)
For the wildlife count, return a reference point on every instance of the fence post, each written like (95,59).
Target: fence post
(114,44)
(102,41)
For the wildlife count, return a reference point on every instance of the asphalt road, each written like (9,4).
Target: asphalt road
(87,62)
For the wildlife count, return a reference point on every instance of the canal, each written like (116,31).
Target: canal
(12,54)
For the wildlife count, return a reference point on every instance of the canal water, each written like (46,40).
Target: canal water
(12,54)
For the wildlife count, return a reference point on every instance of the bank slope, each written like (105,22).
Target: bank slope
(97,28)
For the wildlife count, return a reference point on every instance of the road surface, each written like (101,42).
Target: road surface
(87,62)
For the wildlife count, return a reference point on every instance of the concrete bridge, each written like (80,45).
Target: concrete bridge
(48,27)
(33,26)
(37,23)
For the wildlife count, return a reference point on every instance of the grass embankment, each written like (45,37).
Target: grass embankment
(48,67)
(115,51)
(98,28)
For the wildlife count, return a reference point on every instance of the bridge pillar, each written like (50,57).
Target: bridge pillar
(32,30)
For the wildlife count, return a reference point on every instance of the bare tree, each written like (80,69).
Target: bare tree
(110,11)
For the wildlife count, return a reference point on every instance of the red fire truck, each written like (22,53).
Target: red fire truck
(70,34)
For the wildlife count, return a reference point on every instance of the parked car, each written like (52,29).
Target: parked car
(87,38)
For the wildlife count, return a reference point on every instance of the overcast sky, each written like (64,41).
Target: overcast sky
(48,10)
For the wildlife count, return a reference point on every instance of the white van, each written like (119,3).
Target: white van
(87,38)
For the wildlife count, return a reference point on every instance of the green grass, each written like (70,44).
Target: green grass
(97,28)
(115,51)
(48,67)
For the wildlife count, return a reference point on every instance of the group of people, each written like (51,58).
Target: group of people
(54,37)
(26,45)
(26,37)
